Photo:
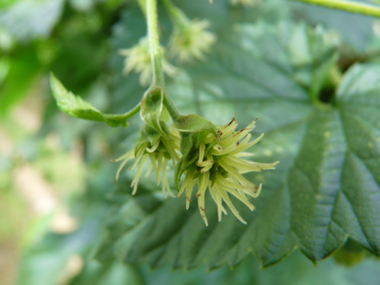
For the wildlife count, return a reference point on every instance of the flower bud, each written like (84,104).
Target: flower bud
(138,59)
(190,40)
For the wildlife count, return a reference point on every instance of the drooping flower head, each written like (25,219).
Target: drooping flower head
(191,40)
(138,58)
(158,150)
(218,163)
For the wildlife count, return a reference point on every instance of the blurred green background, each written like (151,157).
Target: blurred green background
(55,171)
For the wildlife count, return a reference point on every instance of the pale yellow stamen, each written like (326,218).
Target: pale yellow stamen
(138,157)
(171,149)
(203,182)
(160,158)
(201,153)
(233,172)
(251,190)
(189,190)
(217,148)
(247,166)
(244,146)
(218,200)
(154,147)
(228,130)
(165,183)
(184,185)
(150,167)
(135,181)
(234,138)
(128,156)
(124,156)
(244,154)
(209,139)
(236,193)
(225,197)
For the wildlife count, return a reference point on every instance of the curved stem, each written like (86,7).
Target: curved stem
(127,115)
(172,109)
(133,111)
(352,7)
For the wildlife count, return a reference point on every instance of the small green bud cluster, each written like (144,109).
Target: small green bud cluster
(138,59)
(189,41)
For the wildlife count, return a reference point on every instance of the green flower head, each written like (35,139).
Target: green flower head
(218,163)
(159,150)
(191,40)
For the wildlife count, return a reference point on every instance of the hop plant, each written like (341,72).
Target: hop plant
(217,163)
(138,59)
(159,150)
(191,40)
(213,157)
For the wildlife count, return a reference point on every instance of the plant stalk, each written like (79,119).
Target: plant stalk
(125,116)
(155,49)
(352,7)
(156,55)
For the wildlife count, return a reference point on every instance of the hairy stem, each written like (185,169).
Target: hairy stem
(155,49)
(156,55)
(172,109)
(352,7)
(132,112)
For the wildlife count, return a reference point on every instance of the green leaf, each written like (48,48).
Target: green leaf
(325,189)
(293,270)
(112,273)
(78,108)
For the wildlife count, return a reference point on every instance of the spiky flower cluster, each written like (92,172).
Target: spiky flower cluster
(218,165)
(216,162)
(138,59)
(158,150)
(191,40)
